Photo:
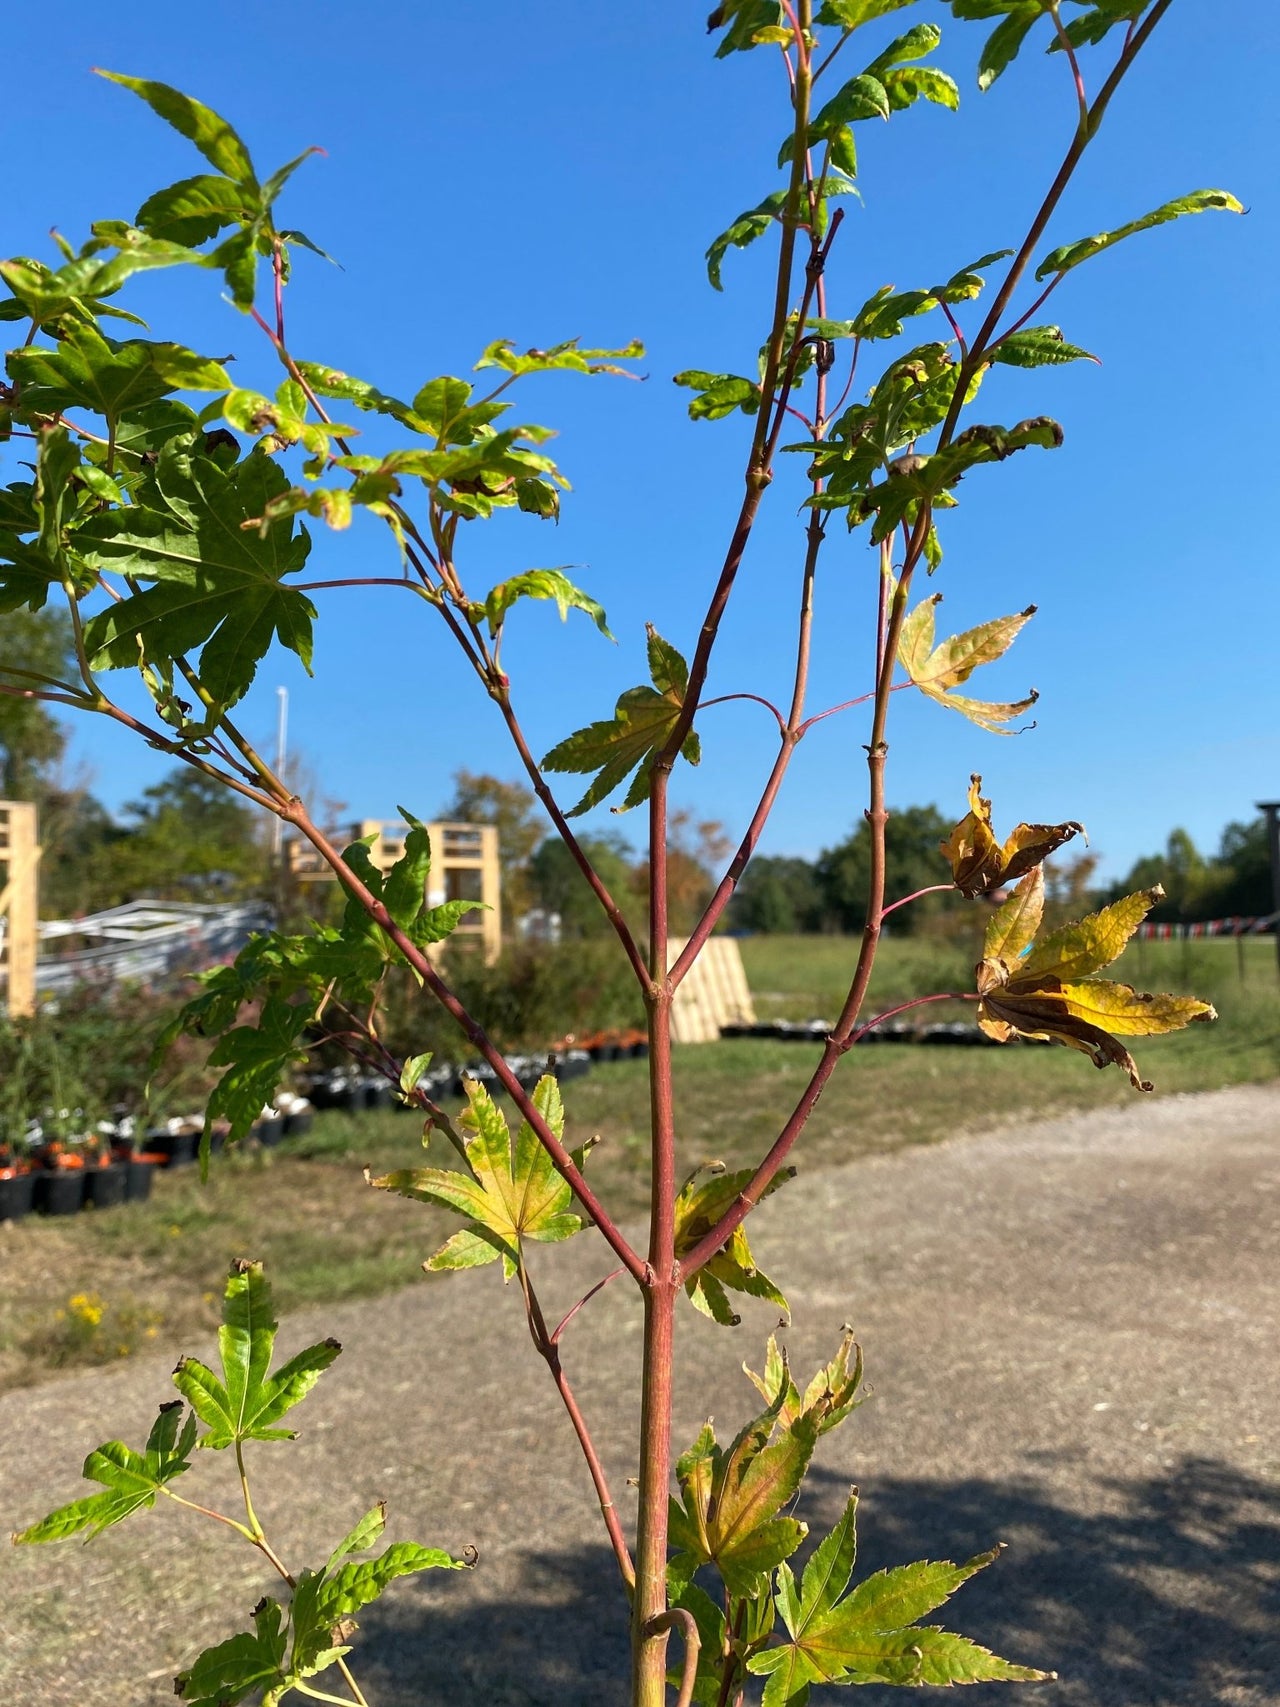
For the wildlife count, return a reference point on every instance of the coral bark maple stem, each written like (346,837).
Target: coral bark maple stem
(649,1640)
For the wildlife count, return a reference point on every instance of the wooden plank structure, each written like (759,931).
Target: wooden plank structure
(712,994)
(19,864)
(464,867)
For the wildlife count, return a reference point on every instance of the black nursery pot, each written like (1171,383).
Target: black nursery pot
(270,1132)
(138,1176)
(104,1187)
(59,1191)
(16,1193)
(177,1148)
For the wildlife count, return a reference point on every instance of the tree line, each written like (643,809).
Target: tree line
(187,839)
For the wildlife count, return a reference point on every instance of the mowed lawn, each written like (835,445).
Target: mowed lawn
(103,1285)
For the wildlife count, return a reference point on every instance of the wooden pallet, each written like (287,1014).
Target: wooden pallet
(713,993)
(19,863)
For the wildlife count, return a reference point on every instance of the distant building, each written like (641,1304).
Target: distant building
(464,867)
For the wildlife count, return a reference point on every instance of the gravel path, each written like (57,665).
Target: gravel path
(1071,1333)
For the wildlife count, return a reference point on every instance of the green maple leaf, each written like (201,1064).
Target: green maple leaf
(937,670)
(1069,255)
(217,584)
(730,1497)
(249,1399)
(131,1479)
(256,1057)
(88,371)
(513,1192)
(699,1206)
(322,1601)
(244,1663)
(831,1395)
(541,584)
(871,1634)
(639,729)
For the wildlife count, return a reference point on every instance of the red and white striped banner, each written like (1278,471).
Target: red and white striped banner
(1208,927)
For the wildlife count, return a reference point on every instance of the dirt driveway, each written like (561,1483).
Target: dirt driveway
(1072,1335)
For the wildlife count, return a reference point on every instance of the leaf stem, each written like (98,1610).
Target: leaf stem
(954,325)
(277,268)
(904,1007)
(818,71)
(207,1511)
(357,581)
(548,1349)
(726,698)
(249,1512)
(916,894)
(845,705)
(1039,302)
(1064,41)
(585,1299)
(67,688)
(166,744)
(254,1534)
(679,1618)
(730,1688)
(76,699)
(357,1694)
(77,631)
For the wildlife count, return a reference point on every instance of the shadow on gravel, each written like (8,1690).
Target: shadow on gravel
(1168,1593)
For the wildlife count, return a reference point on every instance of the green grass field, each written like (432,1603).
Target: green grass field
(101,1286)
(806,977)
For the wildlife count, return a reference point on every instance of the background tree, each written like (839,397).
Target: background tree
(694,852)
(1236,882)
(513,810)
(1182,872)
(778,893)
(1242,871)
(1070,887)
(555,882)
(31,738)
(77,835)
(913,860)
(190,840)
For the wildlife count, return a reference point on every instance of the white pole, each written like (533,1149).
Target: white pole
(282,725)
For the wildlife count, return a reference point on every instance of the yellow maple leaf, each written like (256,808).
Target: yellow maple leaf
(937,669)
(980,863)
(1043,989)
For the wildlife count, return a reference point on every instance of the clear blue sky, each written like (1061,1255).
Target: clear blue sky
(544,172)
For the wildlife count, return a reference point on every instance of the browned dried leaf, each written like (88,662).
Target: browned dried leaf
(979,863)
